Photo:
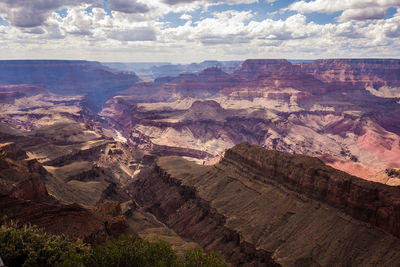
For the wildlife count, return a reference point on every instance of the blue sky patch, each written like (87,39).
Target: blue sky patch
(3,22)
(62,12)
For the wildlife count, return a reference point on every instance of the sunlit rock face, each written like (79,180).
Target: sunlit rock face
(373,72)
(344,111)
(60,148)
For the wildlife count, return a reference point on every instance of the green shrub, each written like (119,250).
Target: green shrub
(30,246)
(127,251)
(197,258)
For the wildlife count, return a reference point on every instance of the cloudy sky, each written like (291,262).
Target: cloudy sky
(196,30)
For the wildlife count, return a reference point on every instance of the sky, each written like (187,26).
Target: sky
(184,31)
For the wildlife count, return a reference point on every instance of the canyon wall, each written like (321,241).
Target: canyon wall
(261,208)
(25,199)
(367,201)
(344,111)
(180,208)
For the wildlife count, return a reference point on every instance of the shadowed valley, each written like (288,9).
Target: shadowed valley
(267,162)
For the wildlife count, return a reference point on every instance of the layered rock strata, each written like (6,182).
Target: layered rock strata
(24,198)
(260,208)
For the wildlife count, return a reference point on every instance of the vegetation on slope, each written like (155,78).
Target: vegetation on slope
(30,246)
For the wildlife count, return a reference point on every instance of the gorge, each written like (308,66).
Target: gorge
(268,162)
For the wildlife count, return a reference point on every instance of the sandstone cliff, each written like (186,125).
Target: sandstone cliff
(346,110)
(24,198)
(260,208)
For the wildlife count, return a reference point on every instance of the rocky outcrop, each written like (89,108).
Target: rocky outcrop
(252,69)
(345,108)
(371,202)
(258,207)
(81,165)
(179,151)
(207,83)
(20,90)
(20,177)
(72,220)
(191,217)
(11,150)
(9,97)
(24,198)
(357,72)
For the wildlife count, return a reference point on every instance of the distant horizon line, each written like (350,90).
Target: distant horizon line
(194,62)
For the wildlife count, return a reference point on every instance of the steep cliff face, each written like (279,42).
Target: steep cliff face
(371,202)
(9,93)
(266,207)
(251,69)
(72,220)
(20,177)
(345,108)
(24,198)
(211,126)
(361,72)
(193,218)
(204,84)
(82,165)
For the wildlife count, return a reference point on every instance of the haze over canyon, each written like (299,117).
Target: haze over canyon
(267,162)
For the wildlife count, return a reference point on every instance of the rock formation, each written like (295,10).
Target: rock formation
(24,198)
(261,208)
(61,160)
(320,108)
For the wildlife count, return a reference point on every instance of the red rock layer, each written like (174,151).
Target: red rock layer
(258,208)
(374,203)
(377,72)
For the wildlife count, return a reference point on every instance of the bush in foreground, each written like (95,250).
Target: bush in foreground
(30,246)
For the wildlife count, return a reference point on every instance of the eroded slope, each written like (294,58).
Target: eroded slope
(326,108)
(258,207)
(25,199)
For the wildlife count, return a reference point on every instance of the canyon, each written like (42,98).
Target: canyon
(260,207)
(150,71)
(338,110)
(268,162)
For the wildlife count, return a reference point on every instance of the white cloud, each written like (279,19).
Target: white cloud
(134,36)
(186,17)
(29,13)
(78,21)
(362,14)
(232,27)
(352,9)
(330,6)
(37,30)
(177,2)
(128,6)
(235,2)
(294,27)
(224,27)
